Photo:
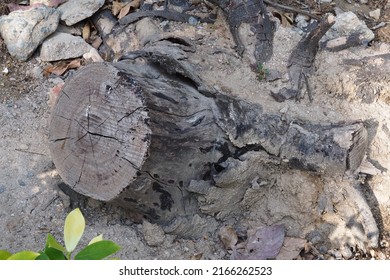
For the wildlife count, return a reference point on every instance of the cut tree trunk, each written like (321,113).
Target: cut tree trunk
(152,140)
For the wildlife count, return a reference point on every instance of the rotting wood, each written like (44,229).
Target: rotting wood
(237,12)
(255,14)
(152,138)
(301,60)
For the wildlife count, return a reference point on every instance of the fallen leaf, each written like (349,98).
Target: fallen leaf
(62,66)
(284,18)
(197,256)
(86,31)
(228,236)
(116,7)
(129,7)
(291,248)
(262,244)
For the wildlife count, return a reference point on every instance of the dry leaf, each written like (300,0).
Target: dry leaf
(262,244)
(291,248)
(228,236)
(197,256)
(116,7)
(129,7)
(284,18)
(86,31)
(62,66)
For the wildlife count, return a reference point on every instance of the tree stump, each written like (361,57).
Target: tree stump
(150,138)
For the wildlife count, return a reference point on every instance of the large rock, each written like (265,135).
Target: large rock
(24,31)
(63,46)
(75,11)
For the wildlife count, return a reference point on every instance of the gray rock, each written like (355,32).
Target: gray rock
(74,11)
(154,235)
(347,24)
(2,189)
(24,31)
(61,46)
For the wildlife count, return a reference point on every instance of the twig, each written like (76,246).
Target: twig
(308,88)
(292,9)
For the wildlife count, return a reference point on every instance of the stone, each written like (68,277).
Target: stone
(93,55)
(154,234)
(74,11)
(375,14)
(61,46)
(2,189)
(24,31)
(346,252)
(346,25)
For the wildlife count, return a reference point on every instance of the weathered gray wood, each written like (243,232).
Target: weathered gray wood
(141,135)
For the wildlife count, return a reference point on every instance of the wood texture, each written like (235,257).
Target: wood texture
(149,137)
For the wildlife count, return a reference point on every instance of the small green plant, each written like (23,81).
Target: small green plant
(260,70)
(97,248)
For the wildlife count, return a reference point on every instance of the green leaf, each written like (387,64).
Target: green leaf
(73,229)
(24,255)
(51,242)
(4,255)
(96,239)
(42,256)
(54,254)
(98,250)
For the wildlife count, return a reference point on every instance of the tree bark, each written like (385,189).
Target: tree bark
(153,140)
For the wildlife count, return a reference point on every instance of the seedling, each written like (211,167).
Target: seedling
(96,249)
(260,70)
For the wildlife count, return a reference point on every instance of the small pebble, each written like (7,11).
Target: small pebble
(192,21)
(375,14)
(384,243)
(23,147)
(323,249)
(21,183)
(2,188)
(153,234)
(381,256)
(346,253)
(284,110)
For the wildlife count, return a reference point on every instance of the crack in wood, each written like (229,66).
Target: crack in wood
(129,114)
(60,139)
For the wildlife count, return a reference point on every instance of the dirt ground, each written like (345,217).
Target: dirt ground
(32,202)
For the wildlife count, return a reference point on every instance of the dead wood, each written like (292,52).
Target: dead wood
(301,60)
(149,136)
(255,14)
